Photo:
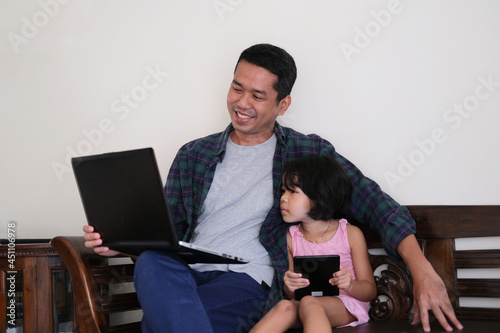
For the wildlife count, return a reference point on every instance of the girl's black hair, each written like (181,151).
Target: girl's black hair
(323,180)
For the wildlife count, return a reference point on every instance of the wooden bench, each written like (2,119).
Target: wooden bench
(97,297)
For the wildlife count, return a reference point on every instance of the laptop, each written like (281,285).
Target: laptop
(123,199)
(318,270)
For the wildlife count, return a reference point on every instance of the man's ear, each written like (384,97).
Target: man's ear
(284,104)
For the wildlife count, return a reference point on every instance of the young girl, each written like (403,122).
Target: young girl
(314,190)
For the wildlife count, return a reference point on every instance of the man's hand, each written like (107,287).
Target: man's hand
(429,291)
(93,240)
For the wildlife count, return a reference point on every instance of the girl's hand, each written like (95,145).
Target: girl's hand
(294,281)
(342,279)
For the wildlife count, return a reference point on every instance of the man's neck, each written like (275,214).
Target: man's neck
(244,139)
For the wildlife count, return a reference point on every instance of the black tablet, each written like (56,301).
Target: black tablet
(318,270)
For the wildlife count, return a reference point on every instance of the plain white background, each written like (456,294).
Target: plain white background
(407,90)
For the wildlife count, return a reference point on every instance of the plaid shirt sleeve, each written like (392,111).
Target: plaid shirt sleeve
(189,180)
(175,198)
(376,209)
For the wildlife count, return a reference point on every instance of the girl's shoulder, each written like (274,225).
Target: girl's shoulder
(352,228)
(344,223)
(353,232)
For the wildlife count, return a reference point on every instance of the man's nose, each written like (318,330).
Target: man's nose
(243,102)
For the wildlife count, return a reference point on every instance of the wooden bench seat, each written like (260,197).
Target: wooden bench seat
(99,293)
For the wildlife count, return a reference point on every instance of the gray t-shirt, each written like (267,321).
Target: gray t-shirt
(237,203)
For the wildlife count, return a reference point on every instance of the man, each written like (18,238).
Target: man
(223,191)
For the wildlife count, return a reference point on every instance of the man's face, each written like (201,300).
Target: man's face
(251,102)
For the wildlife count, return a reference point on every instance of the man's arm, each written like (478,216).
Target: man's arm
(429,291)
(371,206)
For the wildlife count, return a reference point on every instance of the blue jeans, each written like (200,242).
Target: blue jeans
(176,298)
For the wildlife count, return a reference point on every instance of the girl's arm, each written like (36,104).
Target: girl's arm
(288,293)
(363,288)
(293,281)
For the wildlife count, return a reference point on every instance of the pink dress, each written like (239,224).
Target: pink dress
(338,244)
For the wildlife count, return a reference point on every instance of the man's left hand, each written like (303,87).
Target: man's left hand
(429,293)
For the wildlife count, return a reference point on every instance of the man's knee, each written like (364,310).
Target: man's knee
(147,259)
(152,262)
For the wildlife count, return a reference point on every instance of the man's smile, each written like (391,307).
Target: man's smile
(241,115)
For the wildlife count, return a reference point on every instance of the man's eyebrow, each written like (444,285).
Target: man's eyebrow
(262,92)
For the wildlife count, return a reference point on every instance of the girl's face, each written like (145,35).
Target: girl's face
(295,205)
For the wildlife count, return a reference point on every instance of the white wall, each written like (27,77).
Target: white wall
(380,79)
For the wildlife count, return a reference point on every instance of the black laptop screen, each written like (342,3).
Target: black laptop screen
(123,197)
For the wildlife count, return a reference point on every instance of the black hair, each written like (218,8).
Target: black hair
(277,61)
(323,180)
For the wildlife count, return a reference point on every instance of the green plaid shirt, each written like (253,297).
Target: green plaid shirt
(193,170)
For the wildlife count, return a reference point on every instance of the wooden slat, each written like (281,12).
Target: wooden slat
(125,328)
(119,302)
(444,222)
(478,314)
(477,259)
(456,221)
(113,273)
(478,288)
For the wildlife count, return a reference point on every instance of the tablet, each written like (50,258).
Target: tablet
(318,270)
